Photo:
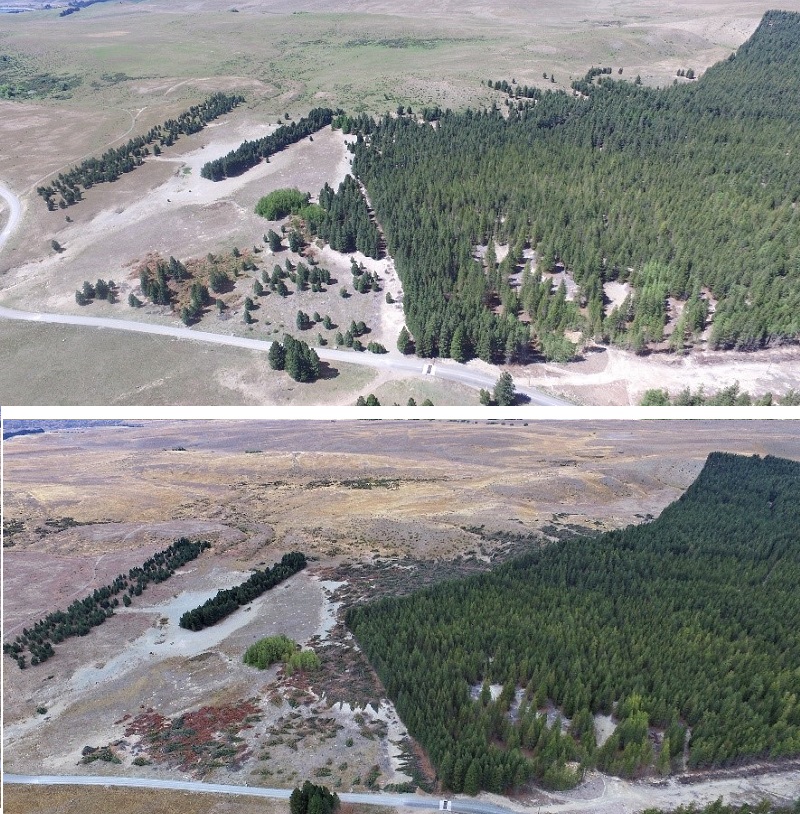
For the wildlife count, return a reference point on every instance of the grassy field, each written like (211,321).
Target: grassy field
(151,370)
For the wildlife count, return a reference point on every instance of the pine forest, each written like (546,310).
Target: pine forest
(686,630)
(688,194)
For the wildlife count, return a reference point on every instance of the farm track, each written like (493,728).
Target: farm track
(14,218)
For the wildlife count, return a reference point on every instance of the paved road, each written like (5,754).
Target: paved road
(380,799)
(409,365)
(615,795)
(16,213)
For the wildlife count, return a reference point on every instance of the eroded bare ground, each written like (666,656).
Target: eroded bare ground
(379,509)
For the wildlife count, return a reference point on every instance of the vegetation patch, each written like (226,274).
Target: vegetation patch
(197,741)
(688,624)
(295,729)
(90,754)
(266,652)
(280,203)
(19,81)
(273,649)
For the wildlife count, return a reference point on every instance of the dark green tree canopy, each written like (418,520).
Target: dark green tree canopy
(689,621)
(688,194)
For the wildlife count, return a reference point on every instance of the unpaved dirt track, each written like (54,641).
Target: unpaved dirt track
(421,367)
(14,218)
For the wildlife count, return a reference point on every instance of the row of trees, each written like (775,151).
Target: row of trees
(692,620)
(686,193)
(77,5)
(84,614)
(118,160)
(250,153)
(731,396)
(226,601)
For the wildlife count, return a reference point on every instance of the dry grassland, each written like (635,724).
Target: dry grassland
(87,800)
(378,507)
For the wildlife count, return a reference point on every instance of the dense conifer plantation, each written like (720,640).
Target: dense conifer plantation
(346,224)
(688,192)
(690,624)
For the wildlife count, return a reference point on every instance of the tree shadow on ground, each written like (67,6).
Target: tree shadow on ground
(327,372)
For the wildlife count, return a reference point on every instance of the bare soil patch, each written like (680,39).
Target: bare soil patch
(614,376)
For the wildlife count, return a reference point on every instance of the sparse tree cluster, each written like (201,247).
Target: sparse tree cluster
(364,281)
(153,280)
(101,290)
(295,356)
(312,799)
(516,91)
